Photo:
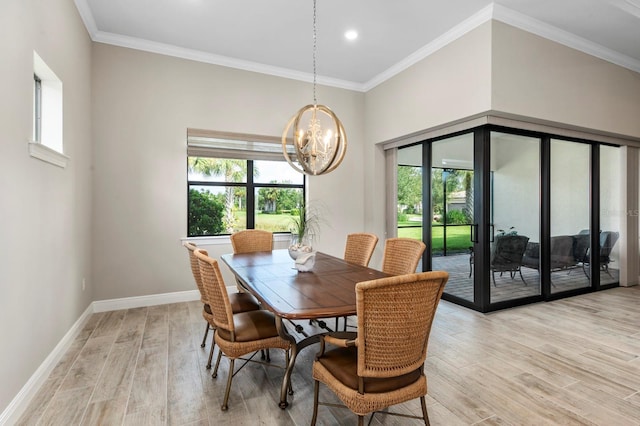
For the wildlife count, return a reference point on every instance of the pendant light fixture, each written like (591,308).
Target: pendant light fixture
(317,135)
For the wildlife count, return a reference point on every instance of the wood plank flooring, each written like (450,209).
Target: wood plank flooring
(574,361)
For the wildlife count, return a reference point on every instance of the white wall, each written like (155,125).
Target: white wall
(45,210)
(143,104)
(538,78)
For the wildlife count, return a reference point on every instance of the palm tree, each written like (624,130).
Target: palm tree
(233,171)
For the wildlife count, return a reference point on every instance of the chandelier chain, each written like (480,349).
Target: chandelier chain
(315,47)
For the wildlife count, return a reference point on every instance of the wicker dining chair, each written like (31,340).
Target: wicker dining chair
(402,255)
(240,302)
(236,334)
(358,249)
(251,241)
(384,364)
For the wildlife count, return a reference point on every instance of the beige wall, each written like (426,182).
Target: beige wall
(538,78)
(452,83)
(45,210)
(143,104)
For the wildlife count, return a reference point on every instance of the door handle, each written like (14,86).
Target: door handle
(474,235)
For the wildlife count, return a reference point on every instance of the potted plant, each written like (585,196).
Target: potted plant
(304,226)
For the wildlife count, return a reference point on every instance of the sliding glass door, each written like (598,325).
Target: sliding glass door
(513,216)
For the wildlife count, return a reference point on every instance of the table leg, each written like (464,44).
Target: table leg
(282,331)
(296,347)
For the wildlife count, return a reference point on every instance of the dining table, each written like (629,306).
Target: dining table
(325,291)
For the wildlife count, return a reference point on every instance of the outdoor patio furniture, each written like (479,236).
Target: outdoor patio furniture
(608,240)
(506,255)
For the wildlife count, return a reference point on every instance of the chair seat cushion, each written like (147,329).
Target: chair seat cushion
(342,363)
(243,302)
(252,325)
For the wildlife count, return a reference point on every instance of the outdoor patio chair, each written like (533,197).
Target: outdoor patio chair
(383,364)
(506,255)
(608,240)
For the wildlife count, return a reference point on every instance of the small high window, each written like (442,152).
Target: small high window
(47,141)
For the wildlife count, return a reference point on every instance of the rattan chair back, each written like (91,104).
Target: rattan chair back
(402,255)
(252,240)
(195,270)
(395,315)
(359,248)
(216,291)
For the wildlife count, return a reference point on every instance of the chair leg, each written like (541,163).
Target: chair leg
(316,387)
(215,370)
(493,275)
(521,277)
(226,392)
(206,333)
(213,345)
(360,420)
(425,416)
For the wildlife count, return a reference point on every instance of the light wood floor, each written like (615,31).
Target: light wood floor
(572,361)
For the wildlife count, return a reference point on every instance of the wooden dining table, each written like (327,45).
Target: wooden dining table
(326,291)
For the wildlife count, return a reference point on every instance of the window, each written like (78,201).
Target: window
(235,185)
(37,109)
(47,143)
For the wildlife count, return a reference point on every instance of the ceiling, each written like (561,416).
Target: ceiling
(276,36)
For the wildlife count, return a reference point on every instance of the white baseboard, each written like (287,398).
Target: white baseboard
(21,401)
(142,301)
(19,404)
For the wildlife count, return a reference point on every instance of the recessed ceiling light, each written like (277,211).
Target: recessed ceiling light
(351,35)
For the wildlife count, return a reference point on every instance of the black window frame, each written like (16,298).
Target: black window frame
(250,187)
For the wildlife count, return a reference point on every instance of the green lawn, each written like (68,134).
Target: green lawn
(268,222)
(458,237)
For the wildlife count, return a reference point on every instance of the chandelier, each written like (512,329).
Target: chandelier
(317,135)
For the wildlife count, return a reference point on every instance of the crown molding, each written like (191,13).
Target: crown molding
(492,11)
(210,58)
(453,34)
(534,26)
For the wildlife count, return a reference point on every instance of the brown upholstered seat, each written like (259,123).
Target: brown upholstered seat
(236,334)
(402,255)
(342,363)
(384,364)
(240,302)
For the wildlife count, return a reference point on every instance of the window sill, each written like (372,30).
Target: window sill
(225,239)
(44,153)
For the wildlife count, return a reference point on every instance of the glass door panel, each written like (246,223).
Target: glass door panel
(409,192)
(570,215)
(514,216)
(610,215)
(452,213)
